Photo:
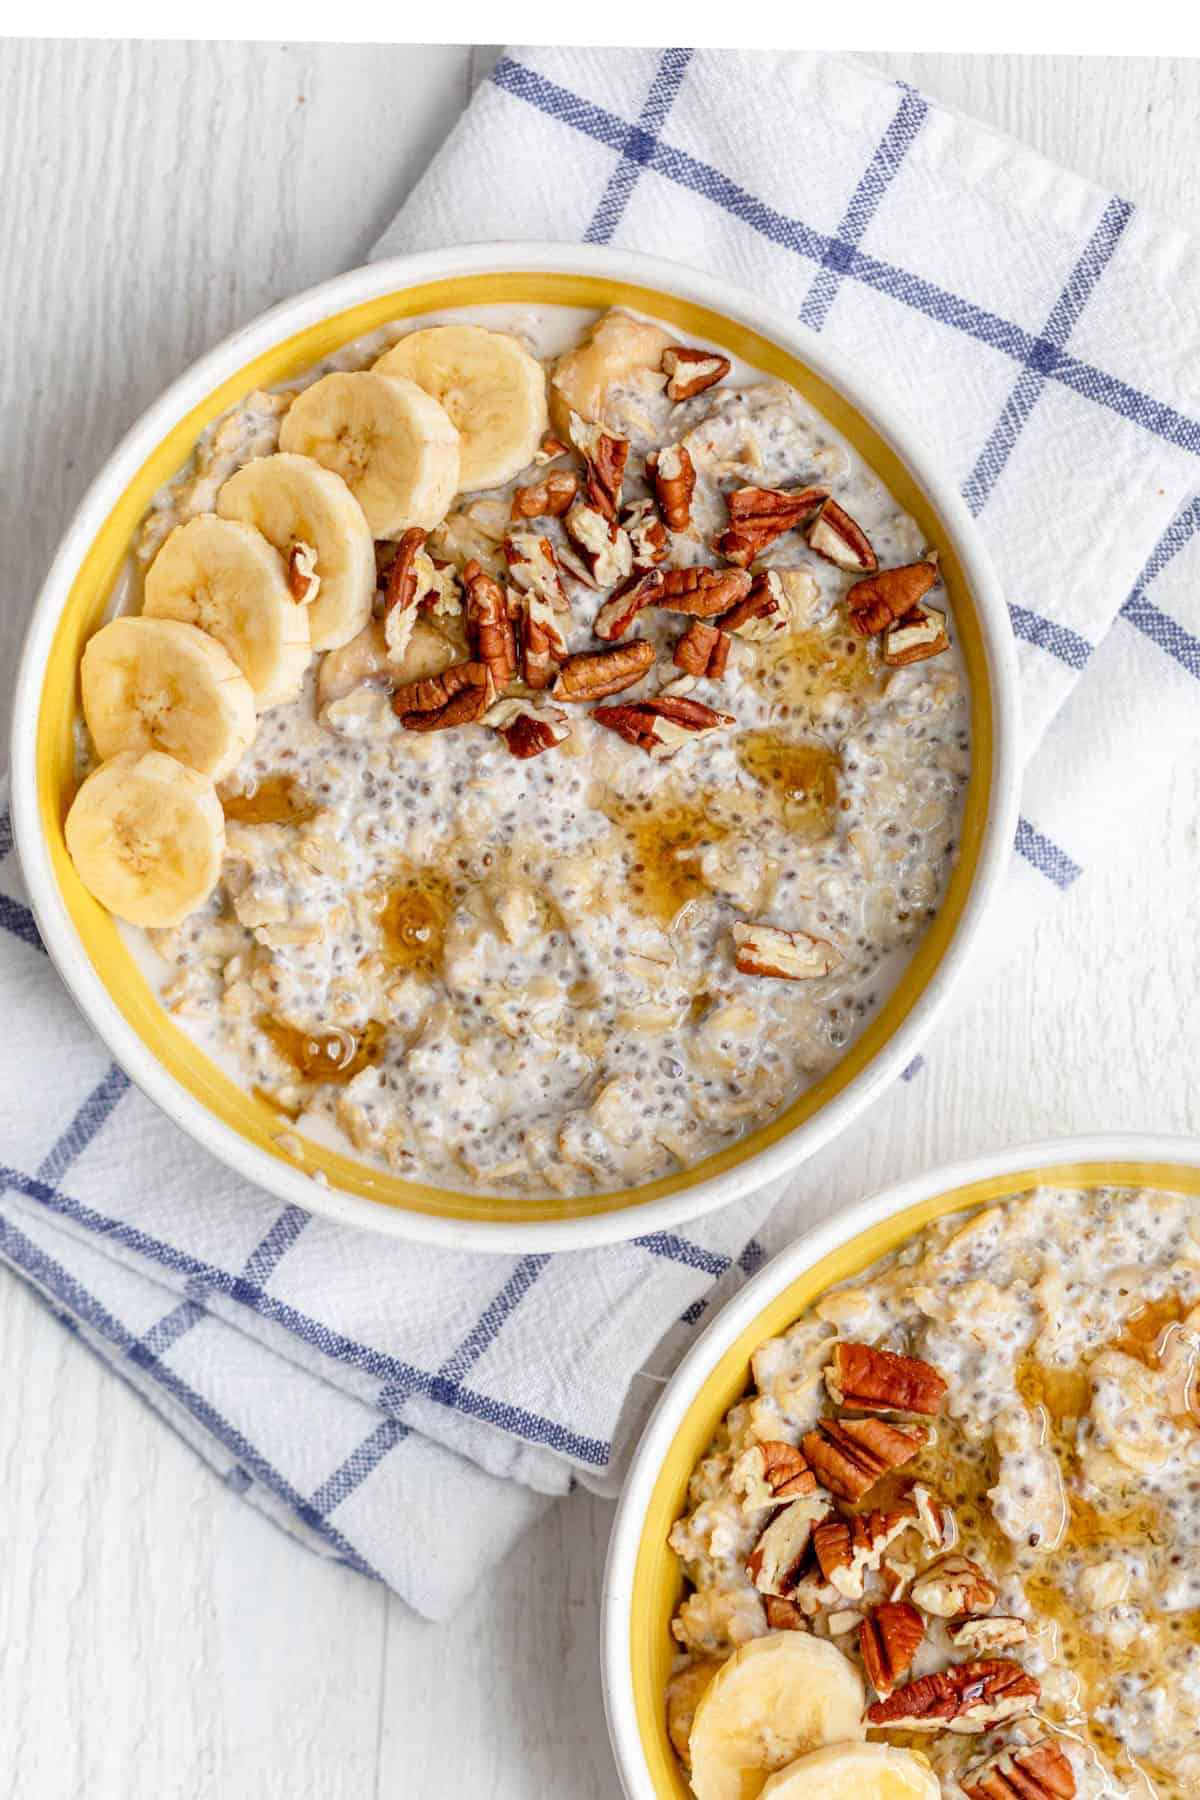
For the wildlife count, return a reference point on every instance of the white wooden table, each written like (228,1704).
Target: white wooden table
(157,1637)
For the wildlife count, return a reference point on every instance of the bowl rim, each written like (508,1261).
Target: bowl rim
(1096,1153)
(309,308)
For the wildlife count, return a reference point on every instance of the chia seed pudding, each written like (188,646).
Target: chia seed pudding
(1060,1457)
(519,973)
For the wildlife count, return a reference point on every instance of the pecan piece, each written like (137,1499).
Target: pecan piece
(646,533)
(550,451)
(757,516)
(489,628)
(848,1456)
(850,1549)
(534,567)
(400,595)
(459,696)
(673,474)
(837,537)
(525,728)
(779,1559)
(888,1642)
(770,1472)
(997,1631)
(702,650)
(622,608)
(760,613)
(603,554)
(547,498)
(593,674)
(605,455)
(953,1585)
(971,1697)
(869,1380)
(543,646)
(886,596)
(783,1615)
(690,371)
(785,955)
(1038,1771)
(302,578)
(703,592)
(662,725)
(921,633)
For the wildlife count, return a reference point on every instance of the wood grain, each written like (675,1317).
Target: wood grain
(157,1636)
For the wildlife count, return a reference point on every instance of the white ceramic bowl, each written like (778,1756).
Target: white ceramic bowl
(642,1581)
(85,943)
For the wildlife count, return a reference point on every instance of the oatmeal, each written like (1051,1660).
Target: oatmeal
(974,1471)
(591,749)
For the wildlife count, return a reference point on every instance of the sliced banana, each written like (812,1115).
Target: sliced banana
(776,1697)
(224,577)
(147,837)
(618,347)
(493,390)
(157,684)
(293,500)
(855,1772)
(390,441)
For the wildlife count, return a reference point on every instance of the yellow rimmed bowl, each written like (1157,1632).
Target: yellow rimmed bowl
(85,942)
(643,1581)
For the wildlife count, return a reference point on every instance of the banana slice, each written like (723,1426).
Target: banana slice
(156,684)
(147,837)
(856,1772)
(390,442)
(775,1698)
(224,577)
(618,348)
(492,388)
(293,500)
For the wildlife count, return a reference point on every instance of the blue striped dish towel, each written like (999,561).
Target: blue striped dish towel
(411,1411)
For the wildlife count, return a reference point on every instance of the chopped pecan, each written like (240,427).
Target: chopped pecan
(762,612)
(970,1697)
(837,537)
(690,371)
(605,455)
(646,533)
(953,1585)
(995,1631)
(888,595)
(400,595)
(1038,1771)
(757,516)
(674,477)
(848,1456)
(869,1380)
(622,608)
(770,1472)
(662,725)
(921,633)
(703,592)
(779,1558)
(593,674)
(785,955)
(525,728)
(547,498)
(896,1575)
(603,554)
(935,1521)
(543,646)
(534,567)
(489,628)
(459,696)
(888,1642)
(850,1549)
(783,1615)
(550,451)
(702,650)
(302,578)
(438,591)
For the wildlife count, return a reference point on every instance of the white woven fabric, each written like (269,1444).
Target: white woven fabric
(411,1411)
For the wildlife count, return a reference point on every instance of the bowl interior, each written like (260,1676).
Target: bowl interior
(83,611)
(657,1579)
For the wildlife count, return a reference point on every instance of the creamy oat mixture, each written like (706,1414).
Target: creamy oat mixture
(520,975)
(1065,1461)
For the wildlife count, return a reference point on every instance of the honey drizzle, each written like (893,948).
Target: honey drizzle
(800,777)
(413,917)
(665,841)
(331,1058)
(277,800)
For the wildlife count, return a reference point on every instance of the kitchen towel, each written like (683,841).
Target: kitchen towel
(410,1411)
